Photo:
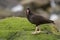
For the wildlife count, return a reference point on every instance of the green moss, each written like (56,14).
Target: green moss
(17,28)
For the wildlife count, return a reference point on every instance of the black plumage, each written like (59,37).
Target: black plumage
(37,19)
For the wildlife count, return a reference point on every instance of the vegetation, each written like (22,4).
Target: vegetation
(17,28)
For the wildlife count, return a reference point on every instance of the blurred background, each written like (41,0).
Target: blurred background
(16,8)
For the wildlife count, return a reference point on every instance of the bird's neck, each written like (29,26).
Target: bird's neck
(29,14)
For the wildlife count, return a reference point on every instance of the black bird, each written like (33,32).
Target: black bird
(37,20)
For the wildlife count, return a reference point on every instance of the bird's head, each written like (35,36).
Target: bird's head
(27,10)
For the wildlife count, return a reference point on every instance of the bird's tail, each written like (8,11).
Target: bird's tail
(53,22)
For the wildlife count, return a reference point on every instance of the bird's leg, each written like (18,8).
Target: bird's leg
(37,30)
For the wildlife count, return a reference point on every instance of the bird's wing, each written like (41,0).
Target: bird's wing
(36,17)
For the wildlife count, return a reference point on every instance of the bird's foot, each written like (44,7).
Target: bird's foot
(36,32)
